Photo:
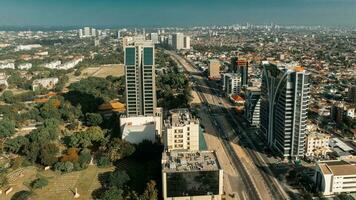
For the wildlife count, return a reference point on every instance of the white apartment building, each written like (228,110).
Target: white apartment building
(181,131)
(186,42)
(52,65)
(48,83)
(24,66)
(317,144)
(5,65)
(334,177)
(232,83)
(27,47)
(178,41)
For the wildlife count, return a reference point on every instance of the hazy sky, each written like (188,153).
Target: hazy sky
(175,12)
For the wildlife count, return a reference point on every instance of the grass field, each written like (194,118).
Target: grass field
(61,186)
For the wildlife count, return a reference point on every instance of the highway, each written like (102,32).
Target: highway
(261,185)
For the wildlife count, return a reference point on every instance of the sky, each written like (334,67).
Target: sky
(116,13)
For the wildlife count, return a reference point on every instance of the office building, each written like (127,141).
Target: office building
(181,131)
(317,144)
(231,84)
(191,175)
(352,94)
(284,103)
(233,65)
(253,105)
(187,42)
(178,41)
(140,77)
(242,66)
(335,177)
(214,69)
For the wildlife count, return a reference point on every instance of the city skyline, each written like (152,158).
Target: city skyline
(182,13)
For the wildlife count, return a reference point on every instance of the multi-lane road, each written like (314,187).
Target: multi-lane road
(250,164)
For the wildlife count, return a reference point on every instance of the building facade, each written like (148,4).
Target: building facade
(317,144)
(231,84)
(189,175)
(214,69)
(178,41)
(335,177)
(253,105)
(140,77)
(284,103)
(181,131)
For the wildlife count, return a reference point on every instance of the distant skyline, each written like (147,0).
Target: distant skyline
(115,13)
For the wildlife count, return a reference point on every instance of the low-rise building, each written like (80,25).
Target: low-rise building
(317,144)
(181,131)
(193,175)
(334,177)
(5,64)
(24,66)
(47,83)
(136,129)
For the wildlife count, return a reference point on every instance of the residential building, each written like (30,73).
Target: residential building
(47,83)
(335,177)
(340,110)
(186,42)
(52,65)
(24,66)
(7,65)
(214,69)
(193,175)
(140,77)
(178,41)
(181,131)
(284,103)
(231,83)
(253,105)
(27,47)
(154,38)
(317,144)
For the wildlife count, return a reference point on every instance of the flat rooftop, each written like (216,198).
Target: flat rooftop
(338,168)
(188,161)
(180,117)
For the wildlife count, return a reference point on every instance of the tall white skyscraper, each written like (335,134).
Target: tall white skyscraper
(178,41)
(186,42)
(284,104)
(140,77)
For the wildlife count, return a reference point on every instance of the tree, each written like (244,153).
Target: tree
(113,193)
(343,196)
(16,144)
(48,154)
(71,155)
(22,195)
(93,119)
(7,128)
(8,97)
(118,149)
(86,138)
(118,178)
(39,183)
(103,161)
(150,192)
(66,166)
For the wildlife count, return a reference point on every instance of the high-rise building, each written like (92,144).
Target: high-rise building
(284,104)
(170,41)
(178,41)
(214,69)
(231,84)
(93,32)
(352,94)
(80,33)
(252,105)
(181,131)
(186,42)
(140,77)
(154,38)
(233,66)
(87,32)
(242,66)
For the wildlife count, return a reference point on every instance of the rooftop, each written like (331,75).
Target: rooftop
(338,168)
(180,117)
(185,161)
